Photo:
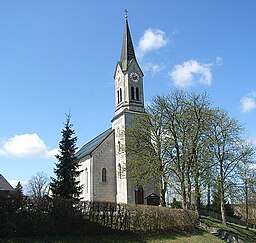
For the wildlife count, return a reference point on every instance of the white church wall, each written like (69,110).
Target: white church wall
(85,178)
(104,158)
(121,182)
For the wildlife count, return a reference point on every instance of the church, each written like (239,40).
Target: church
(102,160)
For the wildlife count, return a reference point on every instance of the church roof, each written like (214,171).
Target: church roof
(93,144)
(127,54)
(4,184)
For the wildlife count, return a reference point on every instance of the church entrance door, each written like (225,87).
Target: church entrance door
(139,196)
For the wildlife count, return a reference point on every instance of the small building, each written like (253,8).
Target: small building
(153,199)
(4,184)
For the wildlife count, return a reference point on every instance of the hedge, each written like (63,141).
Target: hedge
(139,218)
(59,216)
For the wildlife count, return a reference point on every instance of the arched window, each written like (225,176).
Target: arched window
(137,94)
(132,91)
(119,171)
(118,101)
(104,175)
(120,92)
(86,181)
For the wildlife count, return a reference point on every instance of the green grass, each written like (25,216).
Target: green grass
(197,237)
(248,236)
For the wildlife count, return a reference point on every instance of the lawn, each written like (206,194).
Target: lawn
(198,237)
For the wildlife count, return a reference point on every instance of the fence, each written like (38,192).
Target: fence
(228,219)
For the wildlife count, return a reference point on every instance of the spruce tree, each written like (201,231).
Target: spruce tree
(19,189)
(67,171)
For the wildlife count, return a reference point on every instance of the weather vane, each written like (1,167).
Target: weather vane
(126,14)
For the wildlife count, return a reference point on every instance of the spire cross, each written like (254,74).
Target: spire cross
(126,14)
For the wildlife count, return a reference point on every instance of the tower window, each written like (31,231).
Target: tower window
(132,91)
(104,175)
(119,171)
(119,146)
(120,93)
(137,94)
(118,100)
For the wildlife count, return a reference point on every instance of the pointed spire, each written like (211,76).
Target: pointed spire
(127,53)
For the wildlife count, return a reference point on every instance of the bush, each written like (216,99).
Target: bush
(10,202)
(176,204)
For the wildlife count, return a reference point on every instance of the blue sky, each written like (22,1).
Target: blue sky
(57,55)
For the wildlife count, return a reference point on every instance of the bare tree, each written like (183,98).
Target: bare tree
(169,143)
(38,185)
(185,144)
(245,194)
(228,151)
(199,159)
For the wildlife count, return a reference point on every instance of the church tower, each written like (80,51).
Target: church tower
(128,78)
(129,104)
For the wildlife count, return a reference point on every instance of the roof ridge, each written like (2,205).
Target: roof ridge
(90,146)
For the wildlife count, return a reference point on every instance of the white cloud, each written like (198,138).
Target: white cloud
(191,73)
(248,102)
(152,39)
(26,145)
(153,68)
(219,61)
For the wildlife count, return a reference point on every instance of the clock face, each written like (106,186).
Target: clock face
(134,77)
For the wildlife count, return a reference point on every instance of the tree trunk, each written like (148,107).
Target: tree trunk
(189,199)
(183,194)
(208,196)
(197,196)
(162,194)
(222,201)
(246,196)
(222,208)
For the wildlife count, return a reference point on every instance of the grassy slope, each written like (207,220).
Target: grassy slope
(248,236)
(198,237)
